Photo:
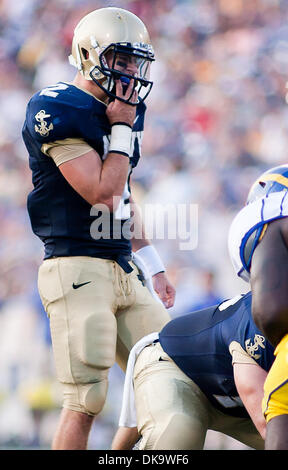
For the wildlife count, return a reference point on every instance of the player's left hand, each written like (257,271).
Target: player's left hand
(164,289)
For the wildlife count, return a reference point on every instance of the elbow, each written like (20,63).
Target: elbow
(104,202)
(103,205)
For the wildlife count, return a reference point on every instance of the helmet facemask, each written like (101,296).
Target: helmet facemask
(113,61)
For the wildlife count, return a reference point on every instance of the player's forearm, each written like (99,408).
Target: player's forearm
(141,244)
(112,181)
(260,425)
(249,381)
(253,406)
(114,172)
(139,239)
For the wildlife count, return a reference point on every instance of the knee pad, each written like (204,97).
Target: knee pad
(86,398)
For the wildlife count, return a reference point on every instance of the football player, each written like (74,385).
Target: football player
(258,241)
(204,370)
(84,139)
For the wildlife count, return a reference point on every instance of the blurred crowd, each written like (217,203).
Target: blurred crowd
(216,119)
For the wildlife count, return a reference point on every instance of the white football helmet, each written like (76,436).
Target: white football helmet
(121,34)
(271,181)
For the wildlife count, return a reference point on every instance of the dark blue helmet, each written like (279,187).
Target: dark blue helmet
(272,181)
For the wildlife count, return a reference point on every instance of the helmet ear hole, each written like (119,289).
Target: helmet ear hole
(85,53)
(262,184)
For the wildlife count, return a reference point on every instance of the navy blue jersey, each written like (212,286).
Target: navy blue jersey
(199,344)
(59,216)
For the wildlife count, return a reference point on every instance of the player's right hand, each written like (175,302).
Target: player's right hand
(118,111)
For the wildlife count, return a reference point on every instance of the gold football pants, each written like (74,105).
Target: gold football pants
(97,313)
(172,411)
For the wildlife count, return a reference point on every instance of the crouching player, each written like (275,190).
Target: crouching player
(204,370)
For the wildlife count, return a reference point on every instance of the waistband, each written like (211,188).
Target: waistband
(122,260)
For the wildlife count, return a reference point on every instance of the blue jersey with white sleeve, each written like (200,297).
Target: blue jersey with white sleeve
(200,343)
(65,222)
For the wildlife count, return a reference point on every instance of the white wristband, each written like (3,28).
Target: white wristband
(151,259)
(120,141)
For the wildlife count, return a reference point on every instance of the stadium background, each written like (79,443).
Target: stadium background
(216,118)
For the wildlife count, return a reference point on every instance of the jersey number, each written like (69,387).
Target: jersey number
(53,91)
(230,302)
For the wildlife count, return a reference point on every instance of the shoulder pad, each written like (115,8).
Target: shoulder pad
(57,112)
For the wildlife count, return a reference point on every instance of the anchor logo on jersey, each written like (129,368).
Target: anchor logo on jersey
(252,348)
(42,127)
